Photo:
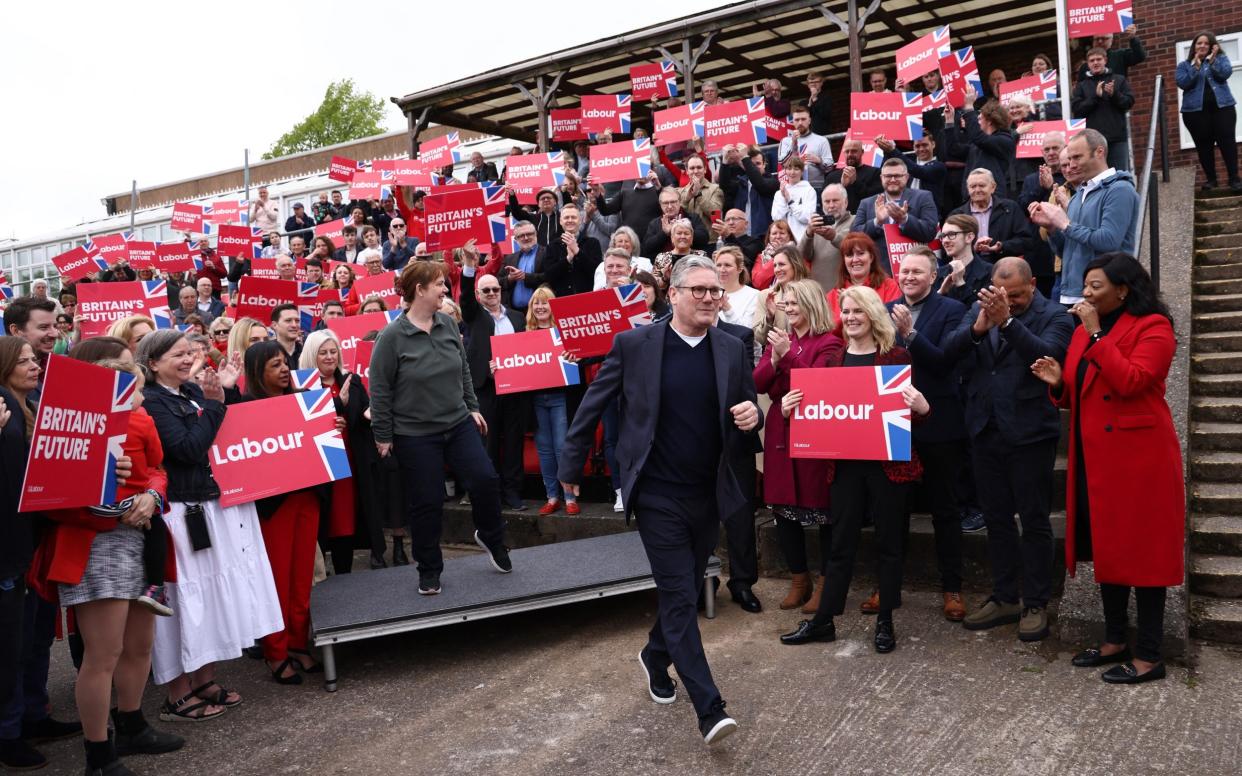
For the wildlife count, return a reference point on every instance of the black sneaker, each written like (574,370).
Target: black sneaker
(149,741)
(717,725)
(660,686)
(48,729)
(429,584)
(18,755)
(498,555)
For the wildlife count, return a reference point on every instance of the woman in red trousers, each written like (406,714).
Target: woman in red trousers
(1125,502)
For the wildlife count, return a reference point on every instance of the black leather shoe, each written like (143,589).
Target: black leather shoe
(149,741)
(1090,658)
(1126,673)
(377,561)
(805,633)
(745,598)
(885,639)
(48,729)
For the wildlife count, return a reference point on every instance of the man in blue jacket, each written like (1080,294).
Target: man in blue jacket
(911,210)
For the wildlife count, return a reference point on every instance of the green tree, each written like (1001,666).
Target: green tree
(343,115)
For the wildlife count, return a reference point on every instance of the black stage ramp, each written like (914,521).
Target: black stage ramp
(353,607)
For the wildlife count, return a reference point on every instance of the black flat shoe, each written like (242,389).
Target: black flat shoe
(805,633)
(315,667)
(1208,186)
(885,639)
(1126,673)
(745,598)
(1090,658)
(278,673)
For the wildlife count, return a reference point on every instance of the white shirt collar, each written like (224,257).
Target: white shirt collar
(1097,180)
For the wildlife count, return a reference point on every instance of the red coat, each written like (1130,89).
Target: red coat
(801,482)
(1134,461)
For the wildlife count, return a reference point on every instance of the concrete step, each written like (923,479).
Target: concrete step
(1216,466)
(1216,498)
(1215,215)
(1225,362)
(1216,342)
(1217,200)
(1218,271)
(1216,409)
(1217,303)
(1204,288)
(1210,241)
(1216,619)
(1216,534)
(1228,223)
(1216,436)
(1216,575)
(1216,385)
(1226,321)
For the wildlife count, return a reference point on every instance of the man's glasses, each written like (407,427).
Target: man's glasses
(489,290)
(951,235)
(700,292)
(525,235)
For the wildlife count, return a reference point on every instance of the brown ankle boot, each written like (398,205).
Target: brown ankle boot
(812,605)
(799,591)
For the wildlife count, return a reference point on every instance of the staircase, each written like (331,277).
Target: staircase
(1215,451)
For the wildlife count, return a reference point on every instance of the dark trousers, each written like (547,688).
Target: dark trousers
(942,467)
(740,533)
(506,434)
(1212,129)
(422,460)
(1149,603)
(1017,479)
(791,537)
(28,699)
(860,488)
(612,432)
(12,612)
(155,550)
(678,533)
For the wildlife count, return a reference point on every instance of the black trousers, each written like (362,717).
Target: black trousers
(422,460)
(1212,129)
(679,534)
(740,533)
(1017,479)
(942,467)
(791,536)
(506,434)
(155,550)
(12,611)
(1149,604)
(859,488)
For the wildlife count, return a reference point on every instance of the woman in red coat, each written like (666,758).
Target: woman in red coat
(1125,504)
(797,490)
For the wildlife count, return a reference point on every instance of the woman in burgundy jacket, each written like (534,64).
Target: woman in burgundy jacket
(1125,501)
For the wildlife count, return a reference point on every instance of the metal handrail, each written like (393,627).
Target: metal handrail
(1149,192)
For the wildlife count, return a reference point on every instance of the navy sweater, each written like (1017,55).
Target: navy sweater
(686,450)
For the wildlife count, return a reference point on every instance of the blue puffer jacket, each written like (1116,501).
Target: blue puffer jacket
(1190,80)
(1101,223)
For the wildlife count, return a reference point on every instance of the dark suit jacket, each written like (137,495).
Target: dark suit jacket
(866,184)
(931,176)
(533,279)
(1009,225)
(978,276)
(572,277)
(935,374)
(480,329)
(631,372)
(1000,385)
(922,221)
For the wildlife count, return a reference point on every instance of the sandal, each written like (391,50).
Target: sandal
(279,671)
(218,698)
(315,667)
(183,710)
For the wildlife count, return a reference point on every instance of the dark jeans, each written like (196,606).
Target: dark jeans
(422,460)
(1017,479)
(1149,603)
(678,534)
(942,467)
(1212,129)
(155,550)
(12,610)
(612,432)
(28,701)
(860,488)
(506,434)
(791,536)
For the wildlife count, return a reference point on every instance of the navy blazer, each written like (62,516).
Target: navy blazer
(922,221)
(631,372)
(479,330)
(1000,385)
(534,279)
(931,176)
(935,374)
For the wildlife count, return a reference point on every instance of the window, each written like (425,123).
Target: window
(166,233)
(38,256)
(150,233)
(1230,46)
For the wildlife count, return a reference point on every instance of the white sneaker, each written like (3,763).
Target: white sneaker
(618,507)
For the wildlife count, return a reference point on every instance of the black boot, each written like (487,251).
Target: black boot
(398,552)
(377,560)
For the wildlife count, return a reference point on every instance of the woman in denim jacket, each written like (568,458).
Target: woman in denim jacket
(1209,113)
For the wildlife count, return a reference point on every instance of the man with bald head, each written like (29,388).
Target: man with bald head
(861,181)
(1014,431)
(734,229)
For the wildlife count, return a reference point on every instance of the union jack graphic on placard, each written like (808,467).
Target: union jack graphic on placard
(912,106)
(890,381)
(758,109)
(1074,125)
(936,100)
(454,142)
(696,118)
(304,379)
(1048,85)
(163,319)
(123,388)
(669,70)
(6,291)
(623,112)
(92,250)
(332,454)
(308,304)
(556,162)
(123,391)
(315,403)
(495,200)
(156,294)
(570,370)
(941,38)
(1125,16)
(628,297)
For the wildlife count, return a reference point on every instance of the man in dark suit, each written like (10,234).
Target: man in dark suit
(924,319)
(740,526)
(485,316)
(861,181)
(572,257)
(913,211)
(522,272)
(688,401)
(1004,229)
(1014,431)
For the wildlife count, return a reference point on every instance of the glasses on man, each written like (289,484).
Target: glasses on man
(700,292)
(951,235)
(489,290)
(398,226)
(525,235)
(892,176)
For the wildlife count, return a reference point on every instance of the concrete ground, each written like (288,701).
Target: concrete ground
(559,692)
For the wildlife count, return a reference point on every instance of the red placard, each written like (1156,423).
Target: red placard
(382,285)
(535,171)
(1031,139)
(265,268)
(352,328)
(257,297)
(896,115)
(872,154)
(739,121)
(332,230)
(441,151)
(851,413)
(187,217)
(777,128)
(898,246)
(923,55)
(623,161)
(1039,87)
(343,169)
(103,304)
(229,211)
(142,254)
(567,124)
(531,361)
(459,215)
(653,81)
(278,445)
(239,241)
(113,247)
(371,185)
(606,113)
(176,257)
(1098,17)
(358,361)
(589,322)
(80,262)
(958,71)
(678,125)
(410,172)
(80,426)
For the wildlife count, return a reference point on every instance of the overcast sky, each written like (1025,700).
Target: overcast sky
(98,94)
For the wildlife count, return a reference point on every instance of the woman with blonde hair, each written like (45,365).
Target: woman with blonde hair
(551,416)
(132,329)
(246,332)
(787,266)
(741,299)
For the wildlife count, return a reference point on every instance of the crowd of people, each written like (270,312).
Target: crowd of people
(1023,297)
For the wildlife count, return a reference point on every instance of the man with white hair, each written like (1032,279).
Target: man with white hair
(821,243)
(1004,229)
